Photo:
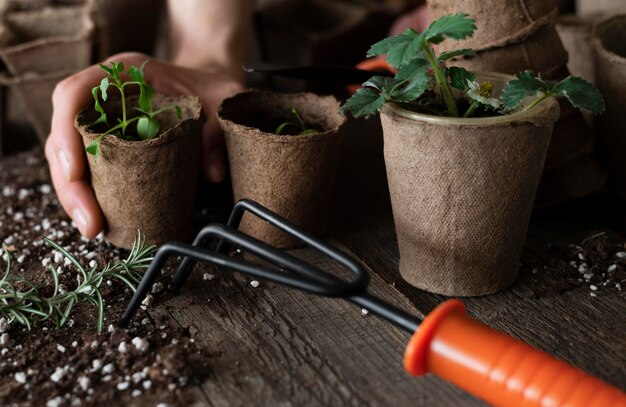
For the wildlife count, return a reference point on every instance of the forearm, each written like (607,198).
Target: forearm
(210,33)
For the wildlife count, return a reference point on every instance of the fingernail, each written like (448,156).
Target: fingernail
(64,161)
(80,219)
(216,165)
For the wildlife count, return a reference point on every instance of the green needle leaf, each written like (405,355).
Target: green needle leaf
(455,26)
(365,101)
(147,128)
(581,94)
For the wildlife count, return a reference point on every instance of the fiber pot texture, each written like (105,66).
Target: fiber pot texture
(609,43)
(148,185)
(498,22)
(48,40)
(291,175)
(462,191)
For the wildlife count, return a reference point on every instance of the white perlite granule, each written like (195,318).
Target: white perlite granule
(208,276)
(108,369)
(255,283)
(141,344)
(20,377)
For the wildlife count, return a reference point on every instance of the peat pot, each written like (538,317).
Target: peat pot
(293,175)
(149,185)
(609,44)
(462,192)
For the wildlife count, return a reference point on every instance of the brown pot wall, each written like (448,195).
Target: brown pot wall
(542,52)
(462,193)
(575,33)
(291,175)
(498,22)
(48,40)
(609,42)
(149,185)
(606,7)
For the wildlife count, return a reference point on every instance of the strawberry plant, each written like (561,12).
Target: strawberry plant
(136,123)
(424,83)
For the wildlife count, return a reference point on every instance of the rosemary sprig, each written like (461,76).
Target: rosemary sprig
(28,306)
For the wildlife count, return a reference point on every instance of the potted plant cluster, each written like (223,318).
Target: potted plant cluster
(40,44)
(143,157)
(464,154)
(283,150)
(515,36)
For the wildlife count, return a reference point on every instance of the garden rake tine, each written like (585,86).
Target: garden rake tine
(182,249)
(335,287)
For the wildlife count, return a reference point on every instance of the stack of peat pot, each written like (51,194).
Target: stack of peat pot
(515,36)
(42,42)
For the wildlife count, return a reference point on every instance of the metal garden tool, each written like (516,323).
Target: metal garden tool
(486,363)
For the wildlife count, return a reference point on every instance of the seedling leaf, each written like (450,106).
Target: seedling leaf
(459,77)
(136,74)
(525,85)
(455,26)
(179,113)
(104,85)
(444,56)
(400,49)
(581,94)
(282,126)
(145,97)
(365,101)
(147,128)
(307,132)
(93,148)
(98,107)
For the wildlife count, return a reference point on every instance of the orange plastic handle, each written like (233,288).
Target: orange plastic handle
(497,368)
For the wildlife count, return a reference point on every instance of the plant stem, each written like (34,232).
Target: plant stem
(470,110)
(447,93)
(537,101)
(124,123)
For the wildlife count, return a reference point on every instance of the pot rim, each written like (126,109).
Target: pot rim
(598,44)
(477,121)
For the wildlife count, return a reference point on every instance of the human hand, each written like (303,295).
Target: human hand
(64,148)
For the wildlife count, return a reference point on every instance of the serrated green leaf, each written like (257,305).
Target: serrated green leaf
(380,83)
(525,85)
(581,94)
(412,89)
(459,77)
(365,101)
(400,49)
(412,68)
(455,26)
(444,56)
(104,86)
(145,97)
(147,128)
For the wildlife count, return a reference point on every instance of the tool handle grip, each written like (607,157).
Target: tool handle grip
(498,368)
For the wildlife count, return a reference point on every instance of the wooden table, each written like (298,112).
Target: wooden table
(276,346)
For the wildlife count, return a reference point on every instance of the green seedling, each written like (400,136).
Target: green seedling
(29,305)
(146,126)
(423,82)
(298,124)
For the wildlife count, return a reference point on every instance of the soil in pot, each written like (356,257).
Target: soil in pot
(293,175)
(462,191)
(147,185)
(609,43)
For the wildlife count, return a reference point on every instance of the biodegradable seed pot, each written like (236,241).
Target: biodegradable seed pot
(148,185)
(462,191)
(464,153)
(292,175)
(609,43)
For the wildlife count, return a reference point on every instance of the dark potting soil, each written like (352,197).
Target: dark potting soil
(146,364)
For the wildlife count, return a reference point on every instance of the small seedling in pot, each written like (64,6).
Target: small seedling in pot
(299,125)
(423,83)
(146,126)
